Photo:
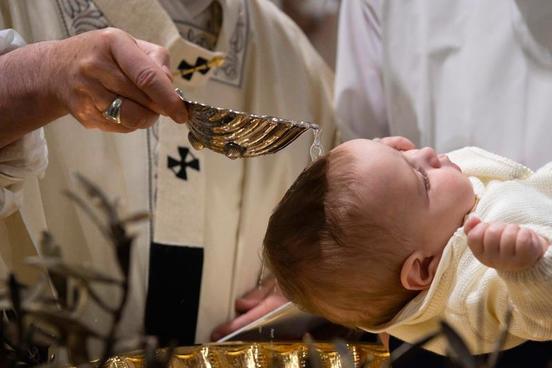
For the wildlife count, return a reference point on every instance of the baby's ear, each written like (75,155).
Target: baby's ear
(418,271)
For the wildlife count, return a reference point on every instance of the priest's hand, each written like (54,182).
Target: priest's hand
(105,64)
(504,247)
(253,305)
(84,75)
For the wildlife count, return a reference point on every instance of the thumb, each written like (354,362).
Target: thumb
(471,222)
(255,296)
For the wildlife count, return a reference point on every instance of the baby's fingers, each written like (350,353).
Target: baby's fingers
(471,222)
(528,249)
(491,242)
(484,242)
(508,241)
(475,232)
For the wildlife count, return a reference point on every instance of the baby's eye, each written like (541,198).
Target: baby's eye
(423,173)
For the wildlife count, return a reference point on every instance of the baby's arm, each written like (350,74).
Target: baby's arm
(524,263)
(504,247)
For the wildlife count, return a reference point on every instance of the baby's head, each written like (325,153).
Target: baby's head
(361,231)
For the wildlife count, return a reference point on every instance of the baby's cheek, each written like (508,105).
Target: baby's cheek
(459,186)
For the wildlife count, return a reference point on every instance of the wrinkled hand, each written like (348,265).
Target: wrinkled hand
(254,304)
(87,72)
(505,247)
(397,142)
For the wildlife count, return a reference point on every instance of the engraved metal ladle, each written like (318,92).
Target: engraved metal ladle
(238,134)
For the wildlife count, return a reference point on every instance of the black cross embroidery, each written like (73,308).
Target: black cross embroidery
(178,167)
(187,70)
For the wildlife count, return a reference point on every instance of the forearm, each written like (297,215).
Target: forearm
(26,100)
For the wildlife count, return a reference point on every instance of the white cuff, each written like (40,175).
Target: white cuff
(10,40)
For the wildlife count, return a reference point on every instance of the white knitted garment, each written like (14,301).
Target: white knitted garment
(472,297)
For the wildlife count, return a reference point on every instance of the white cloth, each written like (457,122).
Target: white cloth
(10,40)
(189,12)
(271,69)
(463,287)
(359,99)
(25,158)
(448,74)
(21,162)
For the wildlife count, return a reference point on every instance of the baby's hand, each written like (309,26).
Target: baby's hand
(505,247)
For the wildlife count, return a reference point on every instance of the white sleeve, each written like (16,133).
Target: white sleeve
(9,40)
(359,98)
(26,157)
(530,294)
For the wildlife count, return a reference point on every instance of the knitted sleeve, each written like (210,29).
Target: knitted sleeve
(530,294)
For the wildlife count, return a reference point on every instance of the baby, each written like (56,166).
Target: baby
(376,235)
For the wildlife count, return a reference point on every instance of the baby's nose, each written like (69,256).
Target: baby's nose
(430,156)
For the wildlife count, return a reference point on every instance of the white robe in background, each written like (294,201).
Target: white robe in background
(448,74)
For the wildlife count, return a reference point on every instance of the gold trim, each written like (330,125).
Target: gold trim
(262,355)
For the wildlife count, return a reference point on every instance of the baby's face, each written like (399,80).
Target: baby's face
(421,193)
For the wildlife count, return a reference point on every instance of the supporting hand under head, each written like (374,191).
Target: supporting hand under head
(253,305)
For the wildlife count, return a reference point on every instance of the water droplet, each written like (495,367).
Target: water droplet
(316,147)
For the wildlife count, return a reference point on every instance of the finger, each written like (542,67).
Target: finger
(135,116)
(526,252)
(148,76)
(536,245)
(244,304)
(132,115)
(255,296)
(491,242)
(471,222)
(399,143)
(508,243)
(540,244)
(104,95)
(91,118)
(105,125)
(266,306)
(105,75)
(475,238)
(158,54)
(235,324)
(544,243)
(118,83)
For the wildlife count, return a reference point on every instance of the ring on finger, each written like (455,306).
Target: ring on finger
(113,112)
